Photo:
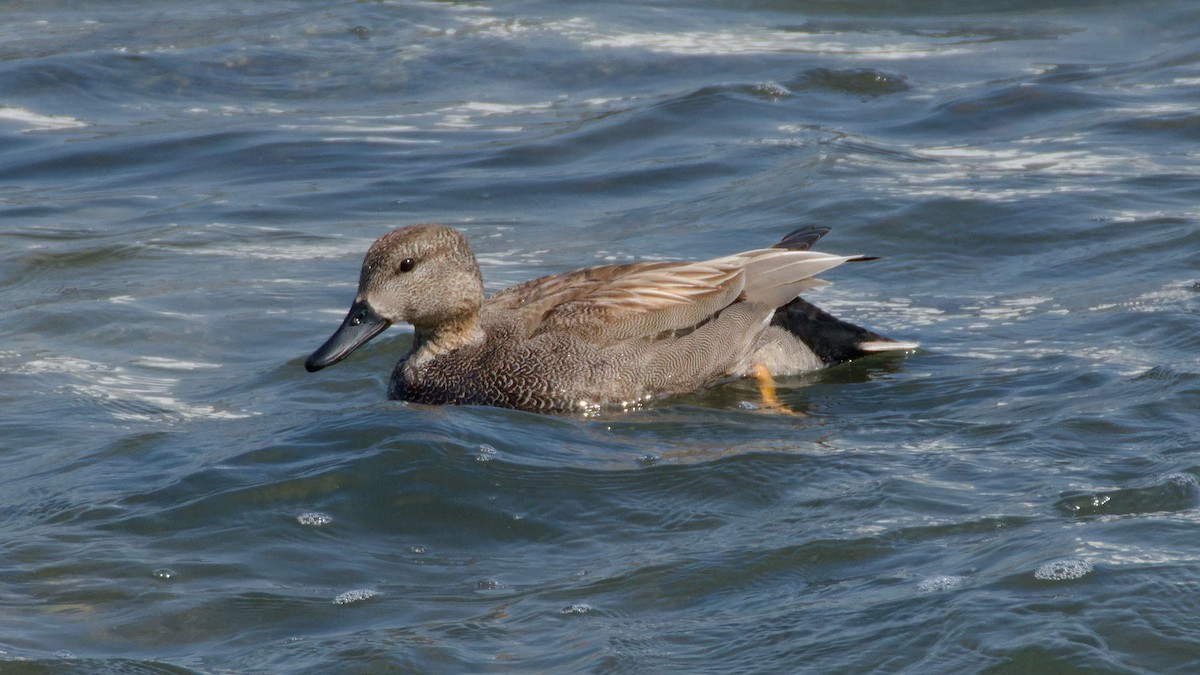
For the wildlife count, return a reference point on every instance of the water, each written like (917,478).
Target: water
(186,191)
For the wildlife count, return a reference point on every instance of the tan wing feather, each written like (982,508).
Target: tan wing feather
(649,300)
(777,277)
(617,302)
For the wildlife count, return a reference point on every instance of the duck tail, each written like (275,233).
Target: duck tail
(830,338)
(802,238)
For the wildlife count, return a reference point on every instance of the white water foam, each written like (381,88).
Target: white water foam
(356,595)
(1063,570)
(129,395)
(39,122)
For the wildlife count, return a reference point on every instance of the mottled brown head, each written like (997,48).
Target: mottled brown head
(425,275)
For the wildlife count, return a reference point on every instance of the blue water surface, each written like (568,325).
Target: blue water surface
(186,191)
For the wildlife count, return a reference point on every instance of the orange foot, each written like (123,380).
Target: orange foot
(766,388)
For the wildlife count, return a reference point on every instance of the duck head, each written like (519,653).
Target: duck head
(424,275)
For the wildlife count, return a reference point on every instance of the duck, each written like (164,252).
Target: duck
(611,336)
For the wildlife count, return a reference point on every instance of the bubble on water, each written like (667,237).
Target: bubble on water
(486,453)
(356,595)
(1183,480)
(1063,570)
(489,585)
(771,90)
(942,582)
(164,574)
(314,519)
(578,608)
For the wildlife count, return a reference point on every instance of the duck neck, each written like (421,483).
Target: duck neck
(433,341)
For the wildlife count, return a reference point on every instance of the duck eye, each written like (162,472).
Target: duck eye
(407,264)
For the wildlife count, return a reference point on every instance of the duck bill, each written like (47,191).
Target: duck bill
(360,325)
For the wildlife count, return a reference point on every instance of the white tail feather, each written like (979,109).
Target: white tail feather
(887,346)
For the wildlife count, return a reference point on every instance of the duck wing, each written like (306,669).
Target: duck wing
(613,303)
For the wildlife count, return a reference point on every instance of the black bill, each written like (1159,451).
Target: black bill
(360,325)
